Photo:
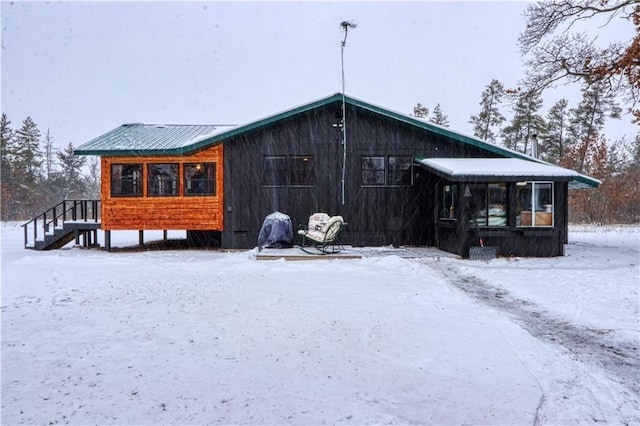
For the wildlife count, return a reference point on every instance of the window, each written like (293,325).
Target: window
(274,171)
(400,172)
(449,202)
(489,204)
(126,180)
(391,171)
(200,179)
(373,171)
(535,203)
(302,171)
(162,180)
(295,170)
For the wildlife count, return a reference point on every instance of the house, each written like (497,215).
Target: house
(397,180)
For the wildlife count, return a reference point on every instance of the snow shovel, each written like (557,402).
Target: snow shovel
(482,252)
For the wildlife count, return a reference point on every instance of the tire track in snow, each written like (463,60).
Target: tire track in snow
(589,345)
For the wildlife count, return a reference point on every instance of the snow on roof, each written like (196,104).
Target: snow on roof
(512,168)
(463,167)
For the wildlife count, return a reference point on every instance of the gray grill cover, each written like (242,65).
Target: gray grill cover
(276,232)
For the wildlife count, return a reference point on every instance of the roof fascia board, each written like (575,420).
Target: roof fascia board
(576,181)
(213,140)
(337,97)
(440,130)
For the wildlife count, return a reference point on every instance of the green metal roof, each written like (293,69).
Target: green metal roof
(146,139)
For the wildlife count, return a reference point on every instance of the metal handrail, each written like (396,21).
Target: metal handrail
(63,211)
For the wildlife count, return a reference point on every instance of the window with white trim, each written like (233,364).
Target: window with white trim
(535,204)
(449,201)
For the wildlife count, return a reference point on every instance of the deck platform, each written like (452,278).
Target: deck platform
(349,252)
(295,253)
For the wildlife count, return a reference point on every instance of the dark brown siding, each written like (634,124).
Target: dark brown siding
(374,215)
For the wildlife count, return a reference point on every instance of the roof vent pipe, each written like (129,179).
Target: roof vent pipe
(534,145)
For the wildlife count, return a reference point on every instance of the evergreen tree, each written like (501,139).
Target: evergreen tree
(588,119)
(72,183)
(526,123)
(596,106)
(439,117)
(553,146)
(6,144)
(27,156)
(420,111)
(489,116)
(6,141)
(6,136)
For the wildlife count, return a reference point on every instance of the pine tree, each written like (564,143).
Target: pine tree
(596,106)
(6,187)
(553,146)
(6,142)
(526,123)
(71,180)
(27,156)
(439,117)
(6,136)
(588,119)
(420,111)
(489,116)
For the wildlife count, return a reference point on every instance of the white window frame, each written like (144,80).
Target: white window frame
(532,208)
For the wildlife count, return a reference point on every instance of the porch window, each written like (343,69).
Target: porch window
(373,171)
(449,202)
(200,179)
(400,172)
(126,180)
(535,204)
(302,171)
(489,204)
(162,180)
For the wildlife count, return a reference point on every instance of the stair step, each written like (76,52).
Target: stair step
(50,230)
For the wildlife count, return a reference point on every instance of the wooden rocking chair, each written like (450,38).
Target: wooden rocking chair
(321,233)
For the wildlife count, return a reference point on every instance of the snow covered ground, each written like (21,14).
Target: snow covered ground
(398,337)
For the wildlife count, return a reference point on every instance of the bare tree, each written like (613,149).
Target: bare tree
(93,179)
(557,53)
(420,111)
(48,154)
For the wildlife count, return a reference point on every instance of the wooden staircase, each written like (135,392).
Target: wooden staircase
(62,223)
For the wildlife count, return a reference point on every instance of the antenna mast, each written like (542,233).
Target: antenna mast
(345,25)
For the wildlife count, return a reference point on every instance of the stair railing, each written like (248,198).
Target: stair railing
(65,211)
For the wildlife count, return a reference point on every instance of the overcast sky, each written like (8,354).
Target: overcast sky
(82,69)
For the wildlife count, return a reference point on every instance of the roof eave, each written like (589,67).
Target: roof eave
(130,152)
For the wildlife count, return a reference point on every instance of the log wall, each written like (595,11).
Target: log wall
(170,212)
